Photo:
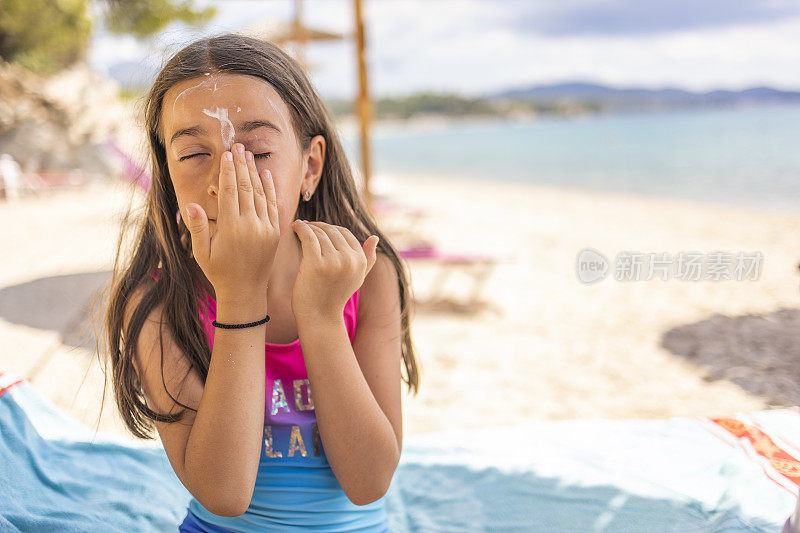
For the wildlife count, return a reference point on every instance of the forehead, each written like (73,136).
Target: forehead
(185,102)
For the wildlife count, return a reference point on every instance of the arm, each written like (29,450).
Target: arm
(214,451)
(356,387)
(224,445)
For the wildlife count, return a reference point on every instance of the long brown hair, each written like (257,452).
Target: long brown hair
(161,240)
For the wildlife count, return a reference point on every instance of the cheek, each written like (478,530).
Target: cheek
(287,202)
(284,205)
(182,187)
(286,186)
(190,178)
(178,185)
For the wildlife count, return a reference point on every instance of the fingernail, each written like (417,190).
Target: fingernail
(249,155)
(228,156)
(191,211)
(239,148)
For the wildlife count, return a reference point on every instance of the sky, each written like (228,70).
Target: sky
(480,47)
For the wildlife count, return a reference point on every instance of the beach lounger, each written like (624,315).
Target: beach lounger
(131,170)
(731,473)
(398,219)
(15,183)
(478,266)
(401,222)
(60,180)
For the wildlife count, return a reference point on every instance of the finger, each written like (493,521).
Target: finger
(243,184)
(325,244)
(308,239)
(258,189)
(198,228)
(272,197)
(228,201)
(371,252)
(333,233)
(350,238)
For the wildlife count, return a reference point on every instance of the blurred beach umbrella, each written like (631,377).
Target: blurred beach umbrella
(291,35)
(294,36)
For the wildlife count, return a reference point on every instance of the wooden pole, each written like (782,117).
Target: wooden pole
(363,102)
(299,33)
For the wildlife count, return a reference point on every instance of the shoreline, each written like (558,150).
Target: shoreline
(390,180)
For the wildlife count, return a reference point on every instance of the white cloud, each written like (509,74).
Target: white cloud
(469,50)
(734,57)
(469,47)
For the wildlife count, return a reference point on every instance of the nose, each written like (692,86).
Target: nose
(212,180)
(213,183)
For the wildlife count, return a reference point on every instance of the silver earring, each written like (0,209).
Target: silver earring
(307,195)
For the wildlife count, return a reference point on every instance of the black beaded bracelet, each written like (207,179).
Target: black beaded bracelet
(237,326)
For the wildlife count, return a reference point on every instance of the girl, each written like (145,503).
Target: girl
(305,430)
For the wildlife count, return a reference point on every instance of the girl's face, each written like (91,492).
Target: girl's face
(205,116)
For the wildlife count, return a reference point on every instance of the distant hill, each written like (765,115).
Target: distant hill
(559,99)
(606,96)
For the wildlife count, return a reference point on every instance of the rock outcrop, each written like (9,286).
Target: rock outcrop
(59,124)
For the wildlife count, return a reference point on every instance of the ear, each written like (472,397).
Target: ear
(314,161)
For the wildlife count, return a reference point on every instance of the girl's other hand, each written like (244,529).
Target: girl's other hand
(333,267)
(238,258)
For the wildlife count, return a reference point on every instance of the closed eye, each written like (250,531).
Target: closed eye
(263,156)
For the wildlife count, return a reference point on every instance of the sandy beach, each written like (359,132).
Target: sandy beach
(544,346)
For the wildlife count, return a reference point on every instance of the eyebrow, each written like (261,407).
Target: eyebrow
(245,127)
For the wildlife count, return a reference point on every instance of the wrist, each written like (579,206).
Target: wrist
(318,319)
(241,310)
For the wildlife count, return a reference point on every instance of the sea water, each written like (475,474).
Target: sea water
(742,156)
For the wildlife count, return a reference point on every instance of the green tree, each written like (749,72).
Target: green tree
(48,35)
(143,18)
(42,35)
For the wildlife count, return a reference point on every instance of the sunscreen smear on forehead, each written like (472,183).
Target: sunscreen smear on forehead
(226,130)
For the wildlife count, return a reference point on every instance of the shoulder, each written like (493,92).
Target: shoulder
(158,360)
(380,293)
(151,332)
(135,299)
(151,321)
